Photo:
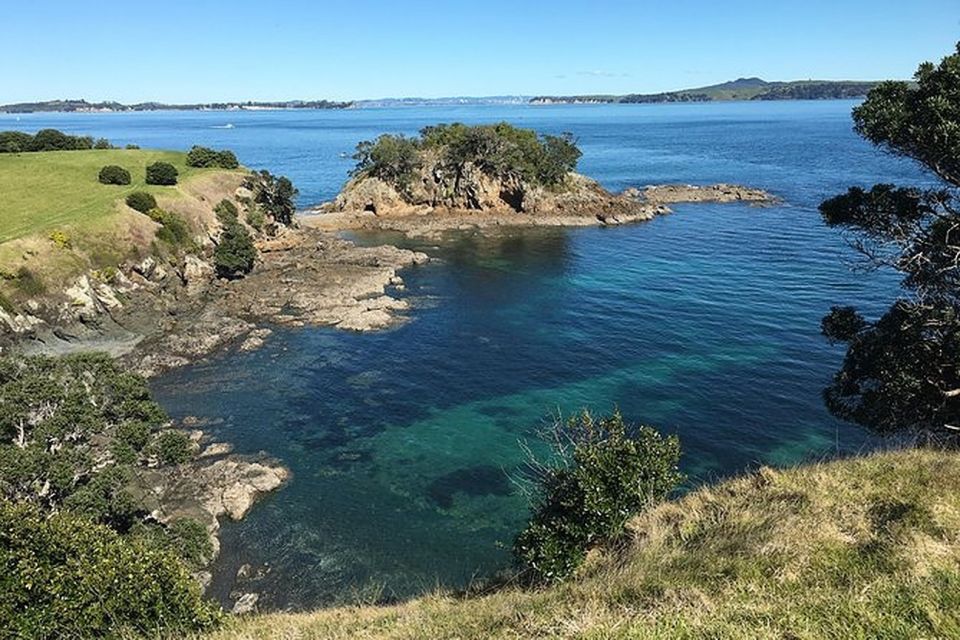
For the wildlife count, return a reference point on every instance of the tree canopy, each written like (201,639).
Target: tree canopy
(900,372)
(500,150)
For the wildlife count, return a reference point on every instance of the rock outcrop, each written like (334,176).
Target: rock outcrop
(722,192)
(208,488)
(437,201)
(471,191)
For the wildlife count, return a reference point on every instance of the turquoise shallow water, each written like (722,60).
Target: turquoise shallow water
(703,323)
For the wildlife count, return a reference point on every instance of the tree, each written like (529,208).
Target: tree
(275,195)
(602,472)
(900,372)
(15,141)
(112,174)
(205,157)
(235,255)
(162,173)
(394,159)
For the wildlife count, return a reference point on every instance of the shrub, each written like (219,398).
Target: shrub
(162,173)
(602,473)
(173,229)
(235,255)
(53,140)
(65,576)
(60,239)
(227,160)
(141,201)
(274,195)
(112,174)
(132,146)
(15,141)
(201,157)
(102,143)
(226,212)
(205,157)
(256,219)
(173,447)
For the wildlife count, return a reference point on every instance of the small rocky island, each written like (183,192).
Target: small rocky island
(457,176)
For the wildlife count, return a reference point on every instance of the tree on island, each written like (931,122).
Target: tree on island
(498,150)
(902,372)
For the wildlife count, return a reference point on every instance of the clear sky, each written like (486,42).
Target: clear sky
(201,50)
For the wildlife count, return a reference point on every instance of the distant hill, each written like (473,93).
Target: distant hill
(739,89)
(84,106)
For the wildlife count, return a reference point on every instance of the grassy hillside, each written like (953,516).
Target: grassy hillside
(42,191)
(59,191)
(862,548)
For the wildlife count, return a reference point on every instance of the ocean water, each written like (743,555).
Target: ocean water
(704,323)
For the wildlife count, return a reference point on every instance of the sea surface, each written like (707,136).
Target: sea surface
(404,443)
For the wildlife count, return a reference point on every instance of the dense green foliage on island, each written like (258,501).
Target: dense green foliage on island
(902,371)
(80,555)
(500,150)
(275,195)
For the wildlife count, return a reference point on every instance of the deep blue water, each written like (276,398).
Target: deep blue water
(703,323)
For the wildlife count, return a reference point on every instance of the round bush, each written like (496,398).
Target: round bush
(227,160)
(112,174)
(162,173)
(141,201)
(201,157)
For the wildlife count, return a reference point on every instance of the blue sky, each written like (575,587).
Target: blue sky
(179,51)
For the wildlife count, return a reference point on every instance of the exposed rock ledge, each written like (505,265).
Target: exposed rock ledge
(157,317)
(213,485)
(480,201)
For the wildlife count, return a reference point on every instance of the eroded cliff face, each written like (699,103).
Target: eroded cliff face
(467,188)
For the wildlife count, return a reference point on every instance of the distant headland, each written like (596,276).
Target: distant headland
(739,89)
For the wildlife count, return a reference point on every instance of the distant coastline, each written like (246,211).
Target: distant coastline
(740,89)
(82,106)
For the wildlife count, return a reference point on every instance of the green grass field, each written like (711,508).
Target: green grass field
(47,190)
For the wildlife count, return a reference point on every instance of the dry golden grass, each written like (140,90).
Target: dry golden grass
(62,195)
(861,548)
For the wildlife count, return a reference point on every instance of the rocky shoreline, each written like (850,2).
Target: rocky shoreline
(155,318)
(156,315)
(371,204)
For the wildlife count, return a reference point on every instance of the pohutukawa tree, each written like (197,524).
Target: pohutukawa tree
(900,372)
